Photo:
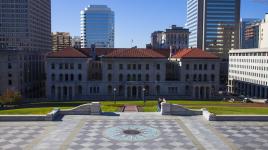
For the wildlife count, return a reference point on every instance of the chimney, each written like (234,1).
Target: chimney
(93,51)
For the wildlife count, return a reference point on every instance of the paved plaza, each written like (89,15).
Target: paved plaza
(133,131)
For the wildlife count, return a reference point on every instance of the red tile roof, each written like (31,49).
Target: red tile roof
(68,52)
(134,53)
(194,53)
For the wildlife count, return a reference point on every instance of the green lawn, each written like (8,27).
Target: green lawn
(225,108)
(217,107)
(150,106)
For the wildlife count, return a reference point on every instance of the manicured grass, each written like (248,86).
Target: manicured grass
(29,111)
(217,107)
(150,106)
(224,108)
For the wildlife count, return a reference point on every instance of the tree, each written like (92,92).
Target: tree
(9,97)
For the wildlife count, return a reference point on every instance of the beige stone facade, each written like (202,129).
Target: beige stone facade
(130,74)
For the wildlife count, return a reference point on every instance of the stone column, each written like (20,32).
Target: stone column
(125,91)
(193,94)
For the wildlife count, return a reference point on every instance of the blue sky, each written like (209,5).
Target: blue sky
(137,19)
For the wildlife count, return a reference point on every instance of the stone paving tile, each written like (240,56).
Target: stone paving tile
(246,137)
(172,136)
(177,133)
(19,137)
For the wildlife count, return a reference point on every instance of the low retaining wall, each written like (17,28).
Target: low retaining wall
(86,109)
(174,109)
(212,117)
(49,117)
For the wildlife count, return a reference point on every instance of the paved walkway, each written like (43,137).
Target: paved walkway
(133,131)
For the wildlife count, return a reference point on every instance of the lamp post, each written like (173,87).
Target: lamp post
(114,95)
(143,89)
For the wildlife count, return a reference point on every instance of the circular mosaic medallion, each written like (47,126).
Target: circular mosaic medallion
(131,133)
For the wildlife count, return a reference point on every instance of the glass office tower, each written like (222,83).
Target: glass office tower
(97,27)
(214,24)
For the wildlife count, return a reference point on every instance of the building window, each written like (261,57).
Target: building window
(110,67)
(52,66)
(134,77)
(79,66)
(212,67)
(72,77)
(128,77)
(9,75)
(109,77)
(158,77)
(80,77)
(147,66)
(195,76)
(134,66)
(53,77)
(61,77)
(187,66)
(9,82)
(187,77)
(158,89)
(195,66)
(200,67)
(139,66)
(120,77)
(66,77)
(66,66)
(158,66)
(205,77)
(128,66)
(205,67)
(147,77)
(72,66)
(80,90)
(121,66)
(200,78)
(139,77)
(9,66)
(60,66)
(212,77)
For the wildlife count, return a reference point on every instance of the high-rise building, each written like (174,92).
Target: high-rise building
(25,25)
(158,39)
(25,38)
(97,27)
(264,32)
(213,23)
(76,42)
(60,40)
(176,37)
(249,33)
